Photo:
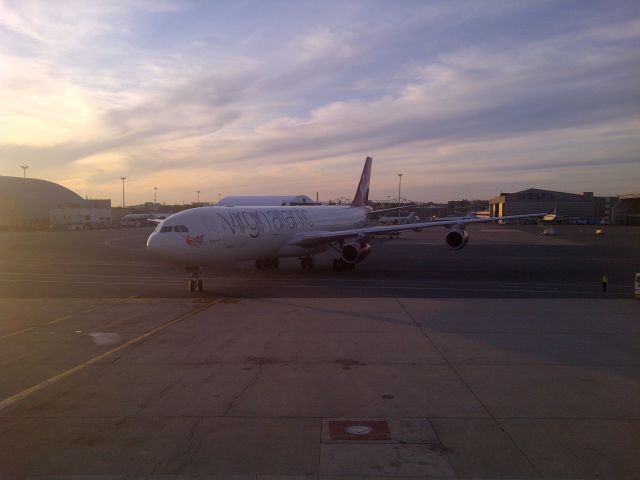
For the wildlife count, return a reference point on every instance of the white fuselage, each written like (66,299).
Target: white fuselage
(210,236)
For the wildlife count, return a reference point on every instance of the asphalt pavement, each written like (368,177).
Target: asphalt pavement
(502,360)
(499,261)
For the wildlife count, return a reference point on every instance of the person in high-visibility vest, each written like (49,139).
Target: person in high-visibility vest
(605,280)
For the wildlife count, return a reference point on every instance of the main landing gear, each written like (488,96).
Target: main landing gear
(307,262)
(267,263)
(195,282)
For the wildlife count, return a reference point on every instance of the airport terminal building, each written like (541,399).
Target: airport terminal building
(581,205)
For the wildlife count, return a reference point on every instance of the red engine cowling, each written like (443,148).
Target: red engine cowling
(457,238)
(355,252)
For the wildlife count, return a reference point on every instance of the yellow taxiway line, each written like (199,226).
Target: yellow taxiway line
(50,381)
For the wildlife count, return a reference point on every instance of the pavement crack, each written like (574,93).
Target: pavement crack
(210,375)
(193,445)
(468,387)
(235,399)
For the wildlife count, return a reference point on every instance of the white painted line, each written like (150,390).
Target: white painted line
(107,243)
(17,333)
(66,317)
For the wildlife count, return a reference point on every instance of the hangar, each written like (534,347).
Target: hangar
(584,205)
(626,210)
(31,202)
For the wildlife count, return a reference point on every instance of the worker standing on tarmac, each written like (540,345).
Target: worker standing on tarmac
(605,280)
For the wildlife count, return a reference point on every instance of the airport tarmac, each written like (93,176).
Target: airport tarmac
(486,369)
(499,261)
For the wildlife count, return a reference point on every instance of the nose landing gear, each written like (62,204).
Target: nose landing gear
(307,262)
(267,263)
(195,282)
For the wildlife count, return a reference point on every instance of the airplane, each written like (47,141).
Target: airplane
(265,200)
(143,218)
(399,219)
(413,218)
(391,220)
(217,236)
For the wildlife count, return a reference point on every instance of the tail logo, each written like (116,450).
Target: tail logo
(362,193)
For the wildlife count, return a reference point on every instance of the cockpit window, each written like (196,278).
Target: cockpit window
(174,228)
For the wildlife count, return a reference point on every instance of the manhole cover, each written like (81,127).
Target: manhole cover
(359,430)
(354,430)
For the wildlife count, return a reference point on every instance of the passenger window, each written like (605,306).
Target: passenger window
(166,229)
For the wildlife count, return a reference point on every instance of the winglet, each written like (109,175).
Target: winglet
(362,193)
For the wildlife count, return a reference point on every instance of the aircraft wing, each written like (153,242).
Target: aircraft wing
(392,208)
(312,239)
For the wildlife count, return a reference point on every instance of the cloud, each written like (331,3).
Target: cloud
(428,91)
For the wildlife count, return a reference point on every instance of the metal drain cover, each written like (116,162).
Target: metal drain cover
(354,430)
(359,430)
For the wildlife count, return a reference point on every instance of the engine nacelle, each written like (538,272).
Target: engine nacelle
(457,238)
(355,252)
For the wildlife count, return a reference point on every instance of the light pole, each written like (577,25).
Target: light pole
(123,179)
(24,170)
(399,186)
(198,197)
(155,195)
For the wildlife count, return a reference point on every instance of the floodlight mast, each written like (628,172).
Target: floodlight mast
(123,179)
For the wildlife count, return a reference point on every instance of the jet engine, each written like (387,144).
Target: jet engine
(355,252)
(457,238)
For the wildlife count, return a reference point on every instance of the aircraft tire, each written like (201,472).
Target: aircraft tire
(192,286)
(259,264)
(200,285)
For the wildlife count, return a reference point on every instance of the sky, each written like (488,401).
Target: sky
(465,99)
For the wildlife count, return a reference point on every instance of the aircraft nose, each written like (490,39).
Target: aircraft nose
(152,243)
(158,246)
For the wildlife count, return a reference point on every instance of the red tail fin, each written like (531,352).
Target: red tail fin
(362,194)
